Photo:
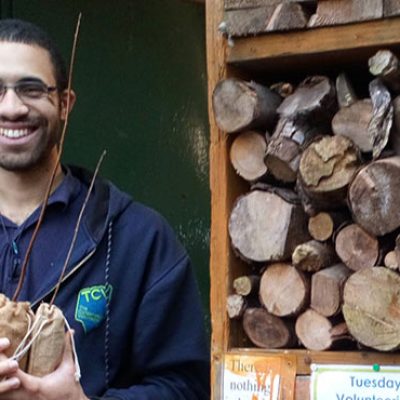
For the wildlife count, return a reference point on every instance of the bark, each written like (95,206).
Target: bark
(371,307)
(356,247)
(282,159)
(235,306)
(397,249)
(266,330)
(385,64)
(353,122)
(326,168)
(284,89)
(394,138)
(247,154)
(374,196)
(240,105)
(284,150)
(316,332)
(313,256)
(344,91)
(327,289)
(382,119)
(284,290)
(263,226)
(314,98)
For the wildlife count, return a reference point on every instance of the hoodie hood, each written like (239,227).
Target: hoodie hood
(106,203)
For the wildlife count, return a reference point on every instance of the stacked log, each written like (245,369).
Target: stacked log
(321,220)
(249,17)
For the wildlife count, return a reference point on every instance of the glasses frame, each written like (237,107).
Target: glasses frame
(15,87)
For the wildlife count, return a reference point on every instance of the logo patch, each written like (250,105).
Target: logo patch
(91,306)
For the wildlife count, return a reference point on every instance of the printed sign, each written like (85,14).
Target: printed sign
(355,382)
(258,377)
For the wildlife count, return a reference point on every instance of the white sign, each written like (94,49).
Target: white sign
(255,377)
(355,382)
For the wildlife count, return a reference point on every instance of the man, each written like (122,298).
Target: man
(128,292)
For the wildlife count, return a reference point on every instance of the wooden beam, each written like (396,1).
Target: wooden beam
(304,358)
(363,35)
(323,47)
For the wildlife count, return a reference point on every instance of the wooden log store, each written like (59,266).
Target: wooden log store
(304,106)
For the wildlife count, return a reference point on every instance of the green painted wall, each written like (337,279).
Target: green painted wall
(140,77)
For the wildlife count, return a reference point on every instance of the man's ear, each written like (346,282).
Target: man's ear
(65,106)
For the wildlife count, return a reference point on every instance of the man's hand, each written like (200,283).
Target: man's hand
(59,385)
(8,368)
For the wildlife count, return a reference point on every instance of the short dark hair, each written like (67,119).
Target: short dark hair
(19,31)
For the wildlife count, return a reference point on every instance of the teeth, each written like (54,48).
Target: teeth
(13,133)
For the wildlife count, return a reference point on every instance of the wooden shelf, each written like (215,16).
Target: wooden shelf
(268,57)
(314,47)
(304,358)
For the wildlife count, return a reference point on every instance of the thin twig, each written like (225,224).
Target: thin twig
(48,191)
(77,225)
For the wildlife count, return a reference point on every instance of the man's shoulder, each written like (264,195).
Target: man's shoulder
(119,206)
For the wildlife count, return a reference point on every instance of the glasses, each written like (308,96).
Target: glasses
(27,90)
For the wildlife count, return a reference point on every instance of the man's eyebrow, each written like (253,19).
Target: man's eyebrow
(30,79)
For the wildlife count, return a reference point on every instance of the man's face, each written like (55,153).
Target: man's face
(29,129)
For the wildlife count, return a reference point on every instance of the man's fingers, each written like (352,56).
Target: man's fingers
(4,344)
(8,367)
(7,384)
(28,382)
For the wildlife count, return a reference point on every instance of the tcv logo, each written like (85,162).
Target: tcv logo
(91,306)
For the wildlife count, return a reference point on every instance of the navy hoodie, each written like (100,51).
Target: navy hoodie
(131,297)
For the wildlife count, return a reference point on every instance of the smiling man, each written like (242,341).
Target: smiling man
(128,292)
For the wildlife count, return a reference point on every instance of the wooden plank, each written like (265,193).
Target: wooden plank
(336,12)
(248,22)
(304,358)
(242,4)
(221,260)
(302,387)
(391,8)
(287,16)
(363,35)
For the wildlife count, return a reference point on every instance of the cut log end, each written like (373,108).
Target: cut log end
(372,307)
(327,289)
(284,291)
(313,330)
(356,247)
(247,155)
(245,285)
(373,196)
(265,227)
(240,105)
(266,330)
(321,226)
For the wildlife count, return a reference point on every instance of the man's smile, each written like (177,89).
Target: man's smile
(14,133)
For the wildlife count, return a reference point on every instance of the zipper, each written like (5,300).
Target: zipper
(77,266)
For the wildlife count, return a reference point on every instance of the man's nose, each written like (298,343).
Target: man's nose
(11,106)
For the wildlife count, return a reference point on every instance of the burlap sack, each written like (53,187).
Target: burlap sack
(15,320)
(49,339)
